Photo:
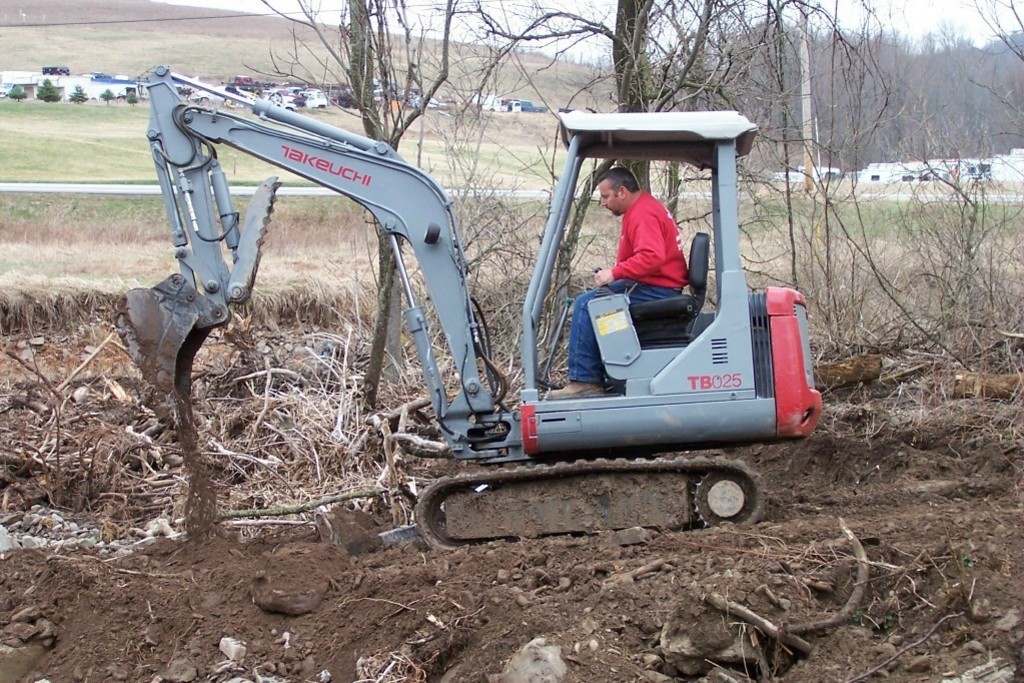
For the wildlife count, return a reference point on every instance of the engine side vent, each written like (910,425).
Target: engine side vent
(760,341)
(719,351)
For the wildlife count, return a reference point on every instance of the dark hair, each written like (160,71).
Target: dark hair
(620,176)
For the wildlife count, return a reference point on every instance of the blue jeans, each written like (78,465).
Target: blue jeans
(584,354)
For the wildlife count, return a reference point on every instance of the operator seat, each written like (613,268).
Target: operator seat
(668,322)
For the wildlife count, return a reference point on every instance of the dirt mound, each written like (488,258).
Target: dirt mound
(419,614)
(935,509)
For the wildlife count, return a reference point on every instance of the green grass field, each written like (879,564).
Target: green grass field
(97,142)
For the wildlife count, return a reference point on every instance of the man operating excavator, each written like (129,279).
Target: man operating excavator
(649,265)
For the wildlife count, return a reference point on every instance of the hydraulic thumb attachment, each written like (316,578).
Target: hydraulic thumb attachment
(163,327)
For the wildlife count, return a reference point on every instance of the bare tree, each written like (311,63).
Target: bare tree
(378,51)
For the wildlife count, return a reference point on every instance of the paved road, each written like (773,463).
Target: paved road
(313,191)
(241,190)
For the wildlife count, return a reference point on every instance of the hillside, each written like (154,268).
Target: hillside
(220,44)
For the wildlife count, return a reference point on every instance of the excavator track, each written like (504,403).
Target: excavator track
(586,497)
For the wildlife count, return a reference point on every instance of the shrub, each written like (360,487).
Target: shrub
(78,96)
(132,98)
(17,93)
(107,95)
(48,92)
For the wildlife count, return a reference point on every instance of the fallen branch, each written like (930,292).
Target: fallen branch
(271,463)
(764,590)
(860,586)
(81,366)
(649,568)
(856,370)
(266,399)
(359,444)
(120,570)
(906,372)
(391,468)
(899,653)
(420,447)
(767,627)
(296,509)
(408,407)
(269,372)
(260,523)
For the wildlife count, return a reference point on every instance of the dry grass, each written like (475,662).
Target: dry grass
(882,277)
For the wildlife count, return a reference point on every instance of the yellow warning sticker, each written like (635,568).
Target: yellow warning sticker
(616,321)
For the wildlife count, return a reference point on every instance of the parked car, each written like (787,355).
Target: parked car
(490,102)
(345,99)
(3,92)
(432,103)
(283,98)
(56,71)
(314,99)
(205,99)
(242,81)
(527,105)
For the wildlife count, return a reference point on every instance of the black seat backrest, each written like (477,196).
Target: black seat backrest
(700,255)
(666,322)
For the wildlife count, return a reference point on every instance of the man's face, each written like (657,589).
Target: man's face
(613,199)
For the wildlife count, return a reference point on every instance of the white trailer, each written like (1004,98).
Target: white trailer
(95,87)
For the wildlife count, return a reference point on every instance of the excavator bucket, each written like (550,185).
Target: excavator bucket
(163,328)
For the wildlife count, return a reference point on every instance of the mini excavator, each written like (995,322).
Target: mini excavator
(683,378)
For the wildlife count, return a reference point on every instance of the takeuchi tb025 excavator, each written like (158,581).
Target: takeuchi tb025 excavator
(683,378)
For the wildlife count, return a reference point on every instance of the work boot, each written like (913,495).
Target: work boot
(577,390)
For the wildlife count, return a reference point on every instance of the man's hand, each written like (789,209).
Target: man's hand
(603,277)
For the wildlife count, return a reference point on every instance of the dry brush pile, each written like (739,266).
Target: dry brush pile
(278,392)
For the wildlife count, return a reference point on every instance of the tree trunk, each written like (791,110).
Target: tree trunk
(381,326)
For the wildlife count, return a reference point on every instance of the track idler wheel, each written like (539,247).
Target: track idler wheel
(724,497)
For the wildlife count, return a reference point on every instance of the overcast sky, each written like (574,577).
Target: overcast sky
(913,18)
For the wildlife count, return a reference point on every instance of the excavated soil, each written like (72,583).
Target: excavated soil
(934,503)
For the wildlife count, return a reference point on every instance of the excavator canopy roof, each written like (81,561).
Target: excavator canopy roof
(675,136)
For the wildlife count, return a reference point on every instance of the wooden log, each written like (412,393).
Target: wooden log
(981,385)
(845,373)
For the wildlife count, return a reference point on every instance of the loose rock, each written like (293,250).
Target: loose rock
(180,670)
(537,662)
(920,664)
(233,649)
(1009,621)
(7,542)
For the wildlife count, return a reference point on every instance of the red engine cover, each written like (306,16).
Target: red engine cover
(797,405)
